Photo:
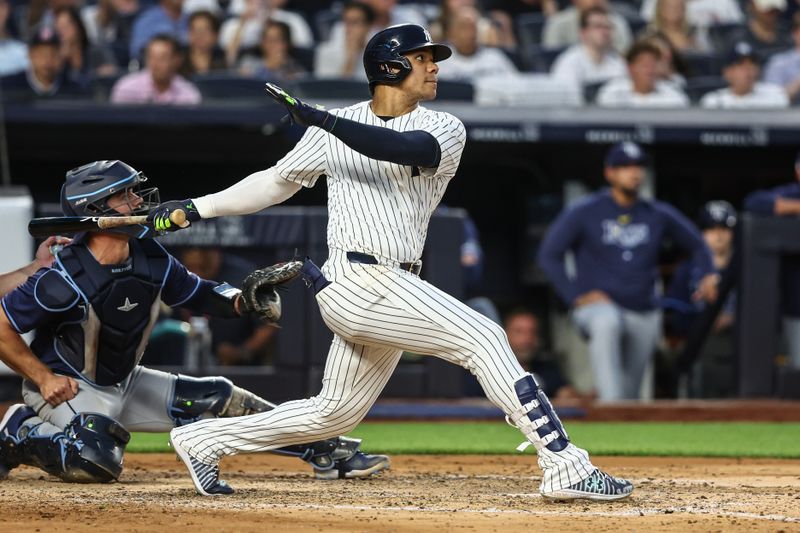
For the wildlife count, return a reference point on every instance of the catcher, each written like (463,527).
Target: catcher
(93,312)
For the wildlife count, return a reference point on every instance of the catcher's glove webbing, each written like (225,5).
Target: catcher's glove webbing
(259,296)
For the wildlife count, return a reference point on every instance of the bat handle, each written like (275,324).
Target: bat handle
(178,217)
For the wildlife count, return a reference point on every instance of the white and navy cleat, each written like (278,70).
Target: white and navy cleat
(599,486)
(205,477)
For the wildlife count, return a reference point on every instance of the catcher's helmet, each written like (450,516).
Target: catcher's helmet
(86,191)
(717,214)
(385,50)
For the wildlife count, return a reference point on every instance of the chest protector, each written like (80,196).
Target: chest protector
(120,310)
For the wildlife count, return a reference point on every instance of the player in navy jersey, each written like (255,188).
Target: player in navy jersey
(93,312)
(616,236)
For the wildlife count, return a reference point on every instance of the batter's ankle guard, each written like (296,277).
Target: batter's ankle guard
(536,417)
(323,454)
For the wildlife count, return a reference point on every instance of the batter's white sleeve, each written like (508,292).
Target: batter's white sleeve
(254,193)
(307,161)
(451,135)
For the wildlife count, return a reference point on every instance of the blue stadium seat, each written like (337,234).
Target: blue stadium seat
(529,29)
(540,59)
(696,88)
(590,91)
(331,89)
(455,91)
(324,21)
(304,56)
(101,87)
(227,86)
(721,35)
(701,64)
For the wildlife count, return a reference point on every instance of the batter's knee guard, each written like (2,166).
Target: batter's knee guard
(89,450)
(324,454)
(195,398)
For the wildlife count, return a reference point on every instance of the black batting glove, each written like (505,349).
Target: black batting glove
(160,216)
(299,111)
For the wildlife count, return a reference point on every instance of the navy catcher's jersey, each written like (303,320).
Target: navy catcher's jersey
(51,303)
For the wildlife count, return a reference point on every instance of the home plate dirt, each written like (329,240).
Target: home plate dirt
(419,493)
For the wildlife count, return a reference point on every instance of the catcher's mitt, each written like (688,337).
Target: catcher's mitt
(259,296)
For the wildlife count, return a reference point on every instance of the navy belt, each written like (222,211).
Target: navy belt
(366,259)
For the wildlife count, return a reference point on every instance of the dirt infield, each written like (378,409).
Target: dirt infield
(419,493)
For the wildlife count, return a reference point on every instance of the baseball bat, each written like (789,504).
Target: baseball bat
(46,226)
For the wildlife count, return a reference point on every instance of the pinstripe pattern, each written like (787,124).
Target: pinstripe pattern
(378,311)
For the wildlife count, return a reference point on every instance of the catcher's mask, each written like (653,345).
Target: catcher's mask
(88,190)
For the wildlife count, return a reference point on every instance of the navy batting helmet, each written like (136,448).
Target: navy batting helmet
(383,55)
(717,214)
(88,188)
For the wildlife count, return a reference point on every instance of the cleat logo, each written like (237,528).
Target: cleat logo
(594,484)
(127,306)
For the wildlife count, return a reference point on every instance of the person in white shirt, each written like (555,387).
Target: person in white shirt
(470,61)
(594,60)
(784,69)
(744,90)
(245,30)
(333,61)
(702,13)
(13,53)
(642,88)
(563,28)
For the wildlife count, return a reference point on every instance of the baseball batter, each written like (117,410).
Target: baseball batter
(387,162)
(93,311)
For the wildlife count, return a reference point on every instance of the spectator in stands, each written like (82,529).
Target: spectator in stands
(717,221)
(109,23)
(331,61)
(33,15)
(615,237)
(784,201)
(235,341)
(702,13)
(594,59)
(765,30)
(275,61)
(82,61)
(470,61)
(159,82)
(642,88)
(497,30)
(522,329)
(43,77)
(203,55)
(784,68)
(245,31)
(13,53)
(744,90)
(672,67)
(670,19)
(166,18)
(563,28)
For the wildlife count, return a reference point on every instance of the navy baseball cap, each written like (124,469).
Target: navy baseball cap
(625,154)
(718,214)
(44,35)
(741,51)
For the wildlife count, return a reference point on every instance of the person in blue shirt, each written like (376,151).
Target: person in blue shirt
(93,312)
(615,237)
(166,18)
(784,201)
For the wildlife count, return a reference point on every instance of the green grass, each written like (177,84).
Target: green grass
(706,439)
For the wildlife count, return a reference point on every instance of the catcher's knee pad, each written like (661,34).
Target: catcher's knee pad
(195,398)
(536,417)
(89,450)
(323,454)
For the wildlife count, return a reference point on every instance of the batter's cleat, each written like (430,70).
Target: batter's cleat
(360,465)
(599,486)
(205,477)
(9,436)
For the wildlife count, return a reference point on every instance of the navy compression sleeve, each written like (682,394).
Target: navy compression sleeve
(413,148)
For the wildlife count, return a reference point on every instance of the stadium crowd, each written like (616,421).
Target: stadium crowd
(628,53)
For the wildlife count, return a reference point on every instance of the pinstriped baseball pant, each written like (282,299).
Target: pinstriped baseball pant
(376,312)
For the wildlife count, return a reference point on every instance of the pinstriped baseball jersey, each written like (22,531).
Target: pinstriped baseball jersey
(377,207)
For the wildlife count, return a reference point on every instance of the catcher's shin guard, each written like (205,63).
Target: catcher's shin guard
(89,450)
(195,398)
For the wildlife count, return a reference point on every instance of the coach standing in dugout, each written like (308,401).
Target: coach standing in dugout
(616,236)
(784,201)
